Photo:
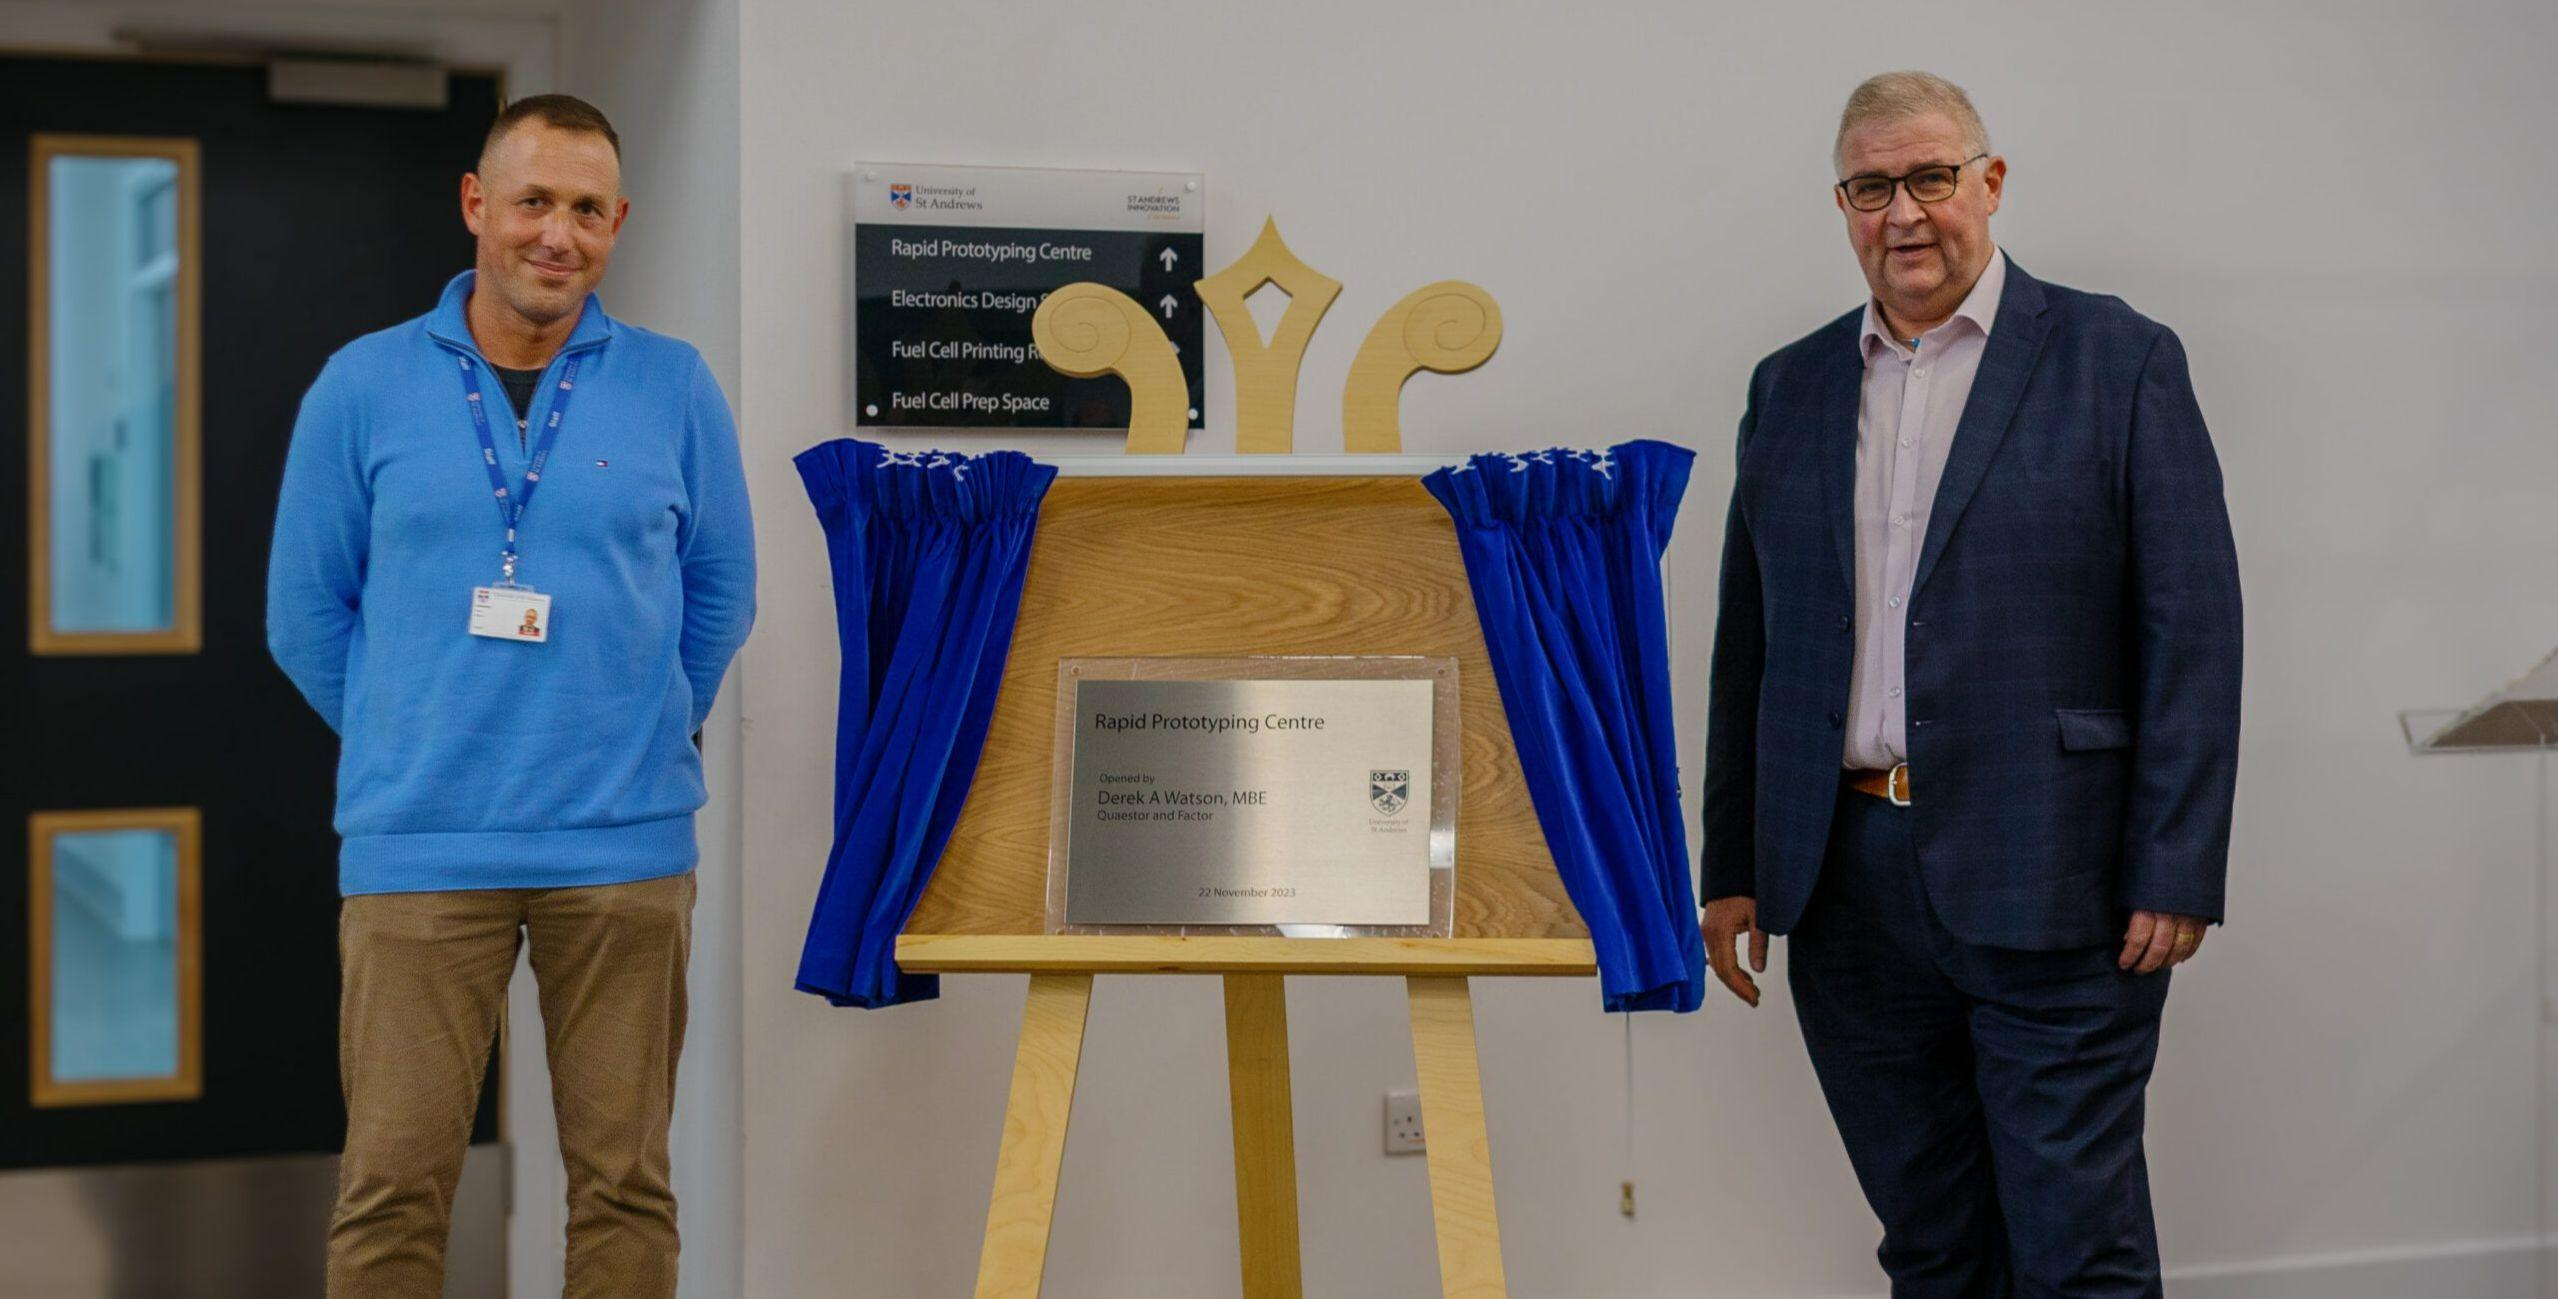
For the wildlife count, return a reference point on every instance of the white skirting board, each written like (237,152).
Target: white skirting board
(2469,1269)
(2466,1269)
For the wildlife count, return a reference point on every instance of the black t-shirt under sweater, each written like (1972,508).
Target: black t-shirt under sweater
(519,390)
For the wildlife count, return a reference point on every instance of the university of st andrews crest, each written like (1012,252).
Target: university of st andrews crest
(1389,791)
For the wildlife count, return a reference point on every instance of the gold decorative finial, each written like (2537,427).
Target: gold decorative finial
(1266,370)
(1089,329)
(1449,327)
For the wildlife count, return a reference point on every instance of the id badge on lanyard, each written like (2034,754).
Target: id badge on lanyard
(511,610)
(511,613)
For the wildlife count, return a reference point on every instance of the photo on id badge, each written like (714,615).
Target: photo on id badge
(510,613)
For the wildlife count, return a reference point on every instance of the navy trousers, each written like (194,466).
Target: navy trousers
(1990,1098)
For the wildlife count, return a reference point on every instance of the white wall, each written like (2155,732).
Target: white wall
(2342,208)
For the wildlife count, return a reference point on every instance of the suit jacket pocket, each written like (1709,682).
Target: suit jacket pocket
(2084,729)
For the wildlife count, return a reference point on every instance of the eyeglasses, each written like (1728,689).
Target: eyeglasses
(1927,185)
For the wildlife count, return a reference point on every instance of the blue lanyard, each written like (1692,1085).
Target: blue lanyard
(512,504)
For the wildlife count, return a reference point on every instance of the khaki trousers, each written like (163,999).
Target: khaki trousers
(426,977)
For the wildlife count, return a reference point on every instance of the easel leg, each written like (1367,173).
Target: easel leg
(1265,1135)
(1460,1152)
(1043,1097)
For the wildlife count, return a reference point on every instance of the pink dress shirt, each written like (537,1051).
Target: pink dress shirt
(1906,414)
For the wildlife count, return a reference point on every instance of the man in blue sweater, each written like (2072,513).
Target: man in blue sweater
(512,561)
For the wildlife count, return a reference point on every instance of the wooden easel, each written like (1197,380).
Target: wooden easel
(1148,565)
(1213,552)
(1052,1035)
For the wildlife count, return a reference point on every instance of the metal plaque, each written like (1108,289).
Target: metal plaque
(1261,801)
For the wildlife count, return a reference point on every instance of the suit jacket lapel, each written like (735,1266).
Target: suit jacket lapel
(1997,386)
(1842,382)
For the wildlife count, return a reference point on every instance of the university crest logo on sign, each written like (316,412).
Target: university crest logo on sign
(1390,791)
(901,197)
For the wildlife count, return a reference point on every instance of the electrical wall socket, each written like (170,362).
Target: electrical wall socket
(1403,1123)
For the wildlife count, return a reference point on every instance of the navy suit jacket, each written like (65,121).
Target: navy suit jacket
(2073,649)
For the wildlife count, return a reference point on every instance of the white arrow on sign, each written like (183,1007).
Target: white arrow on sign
(1167,304)
(1169,257)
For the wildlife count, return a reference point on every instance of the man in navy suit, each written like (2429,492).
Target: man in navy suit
(1973,728)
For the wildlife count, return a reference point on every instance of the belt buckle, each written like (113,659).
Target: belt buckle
(1896,784)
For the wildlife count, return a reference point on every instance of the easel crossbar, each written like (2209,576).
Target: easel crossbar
(1153,954)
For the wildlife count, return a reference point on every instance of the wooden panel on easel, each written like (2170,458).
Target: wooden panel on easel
(1217,567)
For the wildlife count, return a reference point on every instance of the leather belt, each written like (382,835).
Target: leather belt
(1891,786)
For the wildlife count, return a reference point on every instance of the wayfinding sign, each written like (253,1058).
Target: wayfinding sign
(949,263)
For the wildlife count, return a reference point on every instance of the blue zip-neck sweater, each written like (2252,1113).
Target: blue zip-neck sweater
(473,763)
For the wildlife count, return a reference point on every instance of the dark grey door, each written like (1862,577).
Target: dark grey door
(178,256)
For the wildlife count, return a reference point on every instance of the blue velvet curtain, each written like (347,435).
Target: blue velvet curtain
(928,551)
(1563,550)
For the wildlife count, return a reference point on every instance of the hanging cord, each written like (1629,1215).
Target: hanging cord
(1625,1189)
(2546,1013)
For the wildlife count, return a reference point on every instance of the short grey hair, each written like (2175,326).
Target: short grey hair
(1891,96)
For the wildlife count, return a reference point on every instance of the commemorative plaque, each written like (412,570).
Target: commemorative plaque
(1296,796)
